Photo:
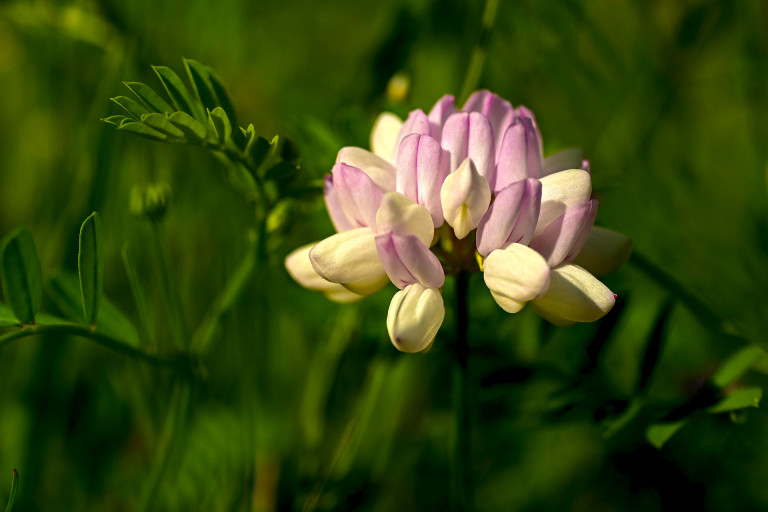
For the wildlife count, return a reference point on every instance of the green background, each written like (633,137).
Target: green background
(304,402)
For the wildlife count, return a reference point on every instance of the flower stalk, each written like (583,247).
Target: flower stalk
(462,457)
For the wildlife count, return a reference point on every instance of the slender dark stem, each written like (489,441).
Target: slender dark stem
(462,462)
(173,301)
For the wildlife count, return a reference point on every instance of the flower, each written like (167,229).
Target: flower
(405,213)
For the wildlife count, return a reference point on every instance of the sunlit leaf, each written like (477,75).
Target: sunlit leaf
(20,271)
(161,123)
(153,101)
(221,124)
(134,109)
(179,93)
(143,130)
(90,264)
(739,399)
(659,433)
(192,128)
(117,120)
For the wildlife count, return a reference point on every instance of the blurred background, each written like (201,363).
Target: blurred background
(303,404)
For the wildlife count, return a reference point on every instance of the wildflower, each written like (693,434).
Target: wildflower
(405,212)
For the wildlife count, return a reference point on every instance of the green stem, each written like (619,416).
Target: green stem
(476,63)
(173,301)
(84,332)
(462,462)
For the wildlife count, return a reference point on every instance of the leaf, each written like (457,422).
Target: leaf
(192,128)
(179,93)
(212,94)
(90,264)
(151,99)
(7,318)
(143,130)
(64,290)
(221,124)
(20,271)
(14,488)
(257,148)
(161,123)
(740,399)
(659,433)
(281,171)
(134,109)
(117,120)
(736,366)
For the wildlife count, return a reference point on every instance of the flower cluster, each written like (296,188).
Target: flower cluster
(462,190)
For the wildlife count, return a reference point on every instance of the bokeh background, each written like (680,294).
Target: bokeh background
(303,404)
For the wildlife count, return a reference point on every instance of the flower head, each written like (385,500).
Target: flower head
(406,211)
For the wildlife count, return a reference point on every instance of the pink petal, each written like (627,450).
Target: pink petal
(511,218)
(340,220)
(418,123)
(439,113)
(407,260)
(564,237)
(498,111)
(422,166)
(469,134)
(519,155)
(358,195)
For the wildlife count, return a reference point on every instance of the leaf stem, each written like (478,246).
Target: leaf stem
(83,332)
(477,61)
(173,301)
(462,461)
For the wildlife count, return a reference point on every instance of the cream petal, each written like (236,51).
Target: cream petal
(350,258)
(559,192)
(414,317)
(605,251)
(574,295)
(515,275)
(401,215)
(384,135)
(377,168)
(300,268)
(465,197)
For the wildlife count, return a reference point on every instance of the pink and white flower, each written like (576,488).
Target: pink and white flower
(430,183)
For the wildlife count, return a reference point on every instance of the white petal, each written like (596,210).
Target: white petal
(560,191)
(414,317)
(401,215)
(301,270)
(350,258)
(384,135)
(604,252)
(515,275)
(465,197)
(566,159)
(378,169)
(574,295)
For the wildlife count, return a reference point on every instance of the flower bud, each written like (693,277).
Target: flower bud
(350,258)
(414,317)
(574,295)
(515,275)
(519,155)
(465,197)
(422,166)
(151,201)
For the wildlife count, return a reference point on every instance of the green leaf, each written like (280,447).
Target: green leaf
(192,128)
(736,366)
(161,123)
(740,399)
(659,433)
(178,92)
(90,264)
(64,290)
(221,124)
(143,130)
(20,270)
(14,488)
(117,120)
(7,318)
(134,109)
(153,101)
(257,148)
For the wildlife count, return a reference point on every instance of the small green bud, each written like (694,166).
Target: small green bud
(151,201)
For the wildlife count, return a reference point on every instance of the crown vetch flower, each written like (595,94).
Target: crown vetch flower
(405,212)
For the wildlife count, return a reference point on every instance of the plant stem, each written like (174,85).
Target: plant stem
(173,301)
(462,462)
